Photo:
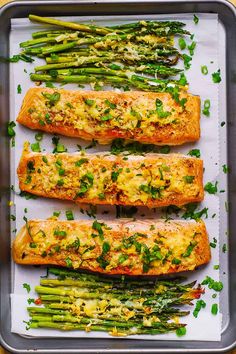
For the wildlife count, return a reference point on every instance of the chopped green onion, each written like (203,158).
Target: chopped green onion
(69,215)
(204,70)
(35,147)
(214,309)
(206,108)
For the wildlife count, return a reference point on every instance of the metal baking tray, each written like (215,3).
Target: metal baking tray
(227,17)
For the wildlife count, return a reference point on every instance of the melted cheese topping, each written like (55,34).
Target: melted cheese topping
(159,179)
(105,247)
(133,115)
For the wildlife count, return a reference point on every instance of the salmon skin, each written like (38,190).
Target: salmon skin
(147,117)
(153,180)
(151,247)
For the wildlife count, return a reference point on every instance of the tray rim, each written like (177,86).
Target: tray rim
(23,3)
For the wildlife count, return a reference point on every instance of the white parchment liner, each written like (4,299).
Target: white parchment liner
(206,326)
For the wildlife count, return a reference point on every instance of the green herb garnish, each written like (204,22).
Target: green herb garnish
(216,78)
(182,43)
(195,152)
(214,309)
(211,188)
(69,215)
(52,98)
(204,70)
(27,287)
(35,147)
(195,19)
(206,108)
(200,304)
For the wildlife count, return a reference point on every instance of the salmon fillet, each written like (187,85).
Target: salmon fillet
(114,247)
(153,180)
(147,117)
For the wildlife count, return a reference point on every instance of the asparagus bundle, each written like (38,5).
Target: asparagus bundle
(117,55)
(119,306)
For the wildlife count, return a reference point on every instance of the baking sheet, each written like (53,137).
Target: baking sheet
(206,53)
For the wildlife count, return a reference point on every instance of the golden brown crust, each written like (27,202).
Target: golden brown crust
(153,180)
(173,246)
(134,117)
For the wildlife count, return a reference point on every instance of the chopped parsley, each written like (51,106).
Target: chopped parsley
(98,227)
(60,233)
(200,304)
(52,99)
(181,331)
(69,263)
(27,287)
(195,19)
(122,258)
(212,284)
(89,102)
(155,192)
(211,188)
(49,84)
(159,108)
(110,104)
(189,249)
(11,132)
(15,58)
(225,168)
(183,80)
(106,117)
(81,162)
(176,261)
(115,174)
(216,78)
(30,301)
(19,89)
(27,195)
(204,69)
(86,182)
(195,152)
(182,43)
(191,214)
(118,146)
(165,149)
(188,179)
(224,248)
(101,259)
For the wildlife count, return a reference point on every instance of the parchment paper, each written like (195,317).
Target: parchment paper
(206,326)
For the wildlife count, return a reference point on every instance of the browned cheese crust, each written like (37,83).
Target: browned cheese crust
(153,180)
(115,247)
(148,117)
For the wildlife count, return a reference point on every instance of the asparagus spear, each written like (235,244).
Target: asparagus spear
(67,326)
(71,25)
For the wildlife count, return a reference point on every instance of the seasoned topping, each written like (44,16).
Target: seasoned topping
(137,247)
(111,179)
